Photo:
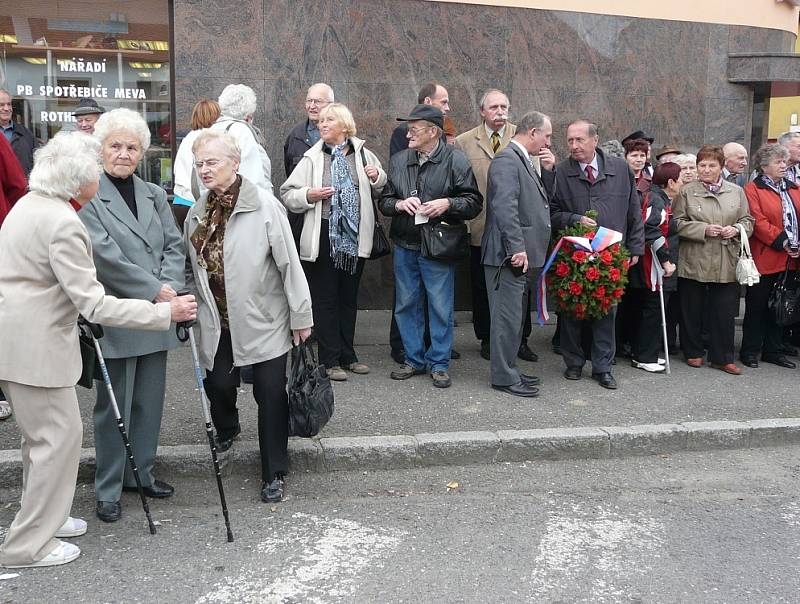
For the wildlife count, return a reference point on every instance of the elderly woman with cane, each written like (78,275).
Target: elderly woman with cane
(139,254)
(47,278)
(253,300)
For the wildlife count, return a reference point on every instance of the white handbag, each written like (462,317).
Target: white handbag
(746,271)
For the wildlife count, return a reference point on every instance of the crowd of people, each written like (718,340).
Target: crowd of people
(265,272)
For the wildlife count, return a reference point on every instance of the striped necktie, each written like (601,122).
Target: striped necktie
(495,142)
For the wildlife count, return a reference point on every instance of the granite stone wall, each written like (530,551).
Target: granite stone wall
(666,77)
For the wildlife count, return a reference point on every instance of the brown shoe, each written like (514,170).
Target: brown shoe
(695,362)
(728,368)
(337,374)
(357,367)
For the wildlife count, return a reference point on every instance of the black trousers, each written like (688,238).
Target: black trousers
(723,306)
(648,336)
(481,319)
(603,341)
(760,334)
(269,390)
(334,299)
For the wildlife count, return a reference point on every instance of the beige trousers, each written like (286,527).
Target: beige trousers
(50,423)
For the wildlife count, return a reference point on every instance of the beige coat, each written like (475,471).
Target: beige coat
(477,146)
(265,287)
(307,175)
(709,259)
(47,278)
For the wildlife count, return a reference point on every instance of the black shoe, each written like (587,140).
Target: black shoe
(247,374)
(108,511)
(605,379)
(485,350)
(749,362)
(780,361)
(530,379)
(399,356)
(522,389)
(526,354)
(454,354)
(158,490)
(223,444)
(273,492)
(573,373)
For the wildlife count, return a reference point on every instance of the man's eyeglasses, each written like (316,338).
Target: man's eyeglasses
(317,102)
(416,131)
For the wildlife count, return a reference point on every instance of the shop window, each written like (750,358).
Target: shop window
(117,53)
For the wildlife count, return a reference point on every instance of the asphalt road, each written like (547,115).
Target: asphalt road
(374,405)
(712,527)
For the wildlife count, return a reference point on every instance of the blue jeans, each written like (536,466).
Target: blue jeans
(412,273)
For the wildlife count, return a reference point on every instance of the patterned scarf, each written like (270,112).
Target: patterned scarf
(789,214)
(345,209)
(713,188)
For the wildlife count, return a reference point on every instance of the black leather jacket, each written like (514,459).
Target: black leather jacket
(447,173)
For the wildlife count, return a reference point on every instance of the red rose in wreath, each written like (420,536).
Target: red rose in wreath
(562,270)
(614,274)
(579,256)
(606,257)
(600,292)
(593,274)
(575,288)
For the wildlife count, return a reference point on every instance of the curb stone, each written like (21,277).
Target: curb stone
(463,448)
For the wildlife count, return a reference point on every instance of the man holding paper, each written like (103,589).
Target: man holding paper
(430,182)
(591,180)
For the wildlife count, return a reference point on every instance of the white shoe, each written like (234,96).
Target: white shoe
(64,553)
(73,527)
(662,361)
(5,410)
(651,367)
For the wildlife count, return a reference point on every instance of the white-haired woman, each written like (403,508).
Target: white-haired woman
(332,187)
(688,164)
(139,254)
(237,104)
(47,278)
(253,299)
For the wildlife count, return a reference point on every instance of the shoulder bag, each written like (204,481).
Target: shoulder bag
(380,242)
(444,242)
(746,271)
(784,299)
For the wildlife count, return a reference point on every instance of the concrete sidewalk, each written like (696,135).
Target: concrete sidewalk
(375,406)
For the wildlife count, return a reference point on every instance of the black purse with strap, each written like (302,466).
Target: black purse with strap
(380,242)
(784,299)
(444,242)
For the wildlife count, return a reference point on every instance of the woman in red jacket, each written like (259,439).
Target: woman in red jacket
(775,205)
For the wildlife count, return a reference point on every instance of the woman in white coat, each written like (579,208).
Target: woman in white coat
(47,278)
(253,300)
(332,187)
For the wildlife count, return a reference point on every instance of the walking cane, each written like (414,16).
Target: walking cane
(97,333)
(185,332)
(659,271)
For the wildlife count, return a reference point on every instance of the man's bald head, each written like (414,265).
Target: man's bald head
(735,158)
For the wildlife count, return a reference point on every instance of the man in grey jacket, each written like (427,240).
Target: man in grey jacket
(514,246)
(591,180)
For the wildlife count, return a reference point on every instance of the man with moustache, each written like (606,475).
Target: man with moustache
(481,145)
(19,136)
(87,114)
(428,182)
(591,180)
(514,247)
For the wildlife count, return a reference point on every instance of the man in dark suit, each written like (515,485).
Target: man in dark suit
(21,139)
(735,168)
(591,180)
(514,246)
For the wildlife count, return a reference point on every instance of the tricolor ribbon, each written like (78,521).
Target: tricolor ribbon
(656,270)
(603,238)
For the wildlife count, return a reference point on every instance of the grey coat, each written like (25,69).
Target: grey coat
(134,258)
(265,286)
(613,195)
(517,210)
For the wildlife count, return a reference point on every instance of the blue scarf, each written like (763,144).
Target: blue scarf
(789,214)
(345,210)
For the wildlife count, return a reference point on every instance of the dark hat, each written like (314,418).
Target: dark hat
(667,149)
(429,113)
(88,106)
(638,134)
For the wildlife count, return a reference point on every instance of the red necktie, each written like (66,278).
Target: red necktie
(590,174)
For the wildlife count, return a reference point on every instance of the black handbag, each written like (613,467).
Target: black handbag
(380,242)
(90,367)
(444,242)
(784,299)
(310,394)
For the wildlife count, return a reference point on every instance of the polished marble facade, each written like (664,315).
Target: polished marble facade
(669,78)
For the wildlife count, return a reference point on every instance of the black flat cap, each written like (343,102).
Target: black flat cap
(429,113)
(638,134)
(87,106)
